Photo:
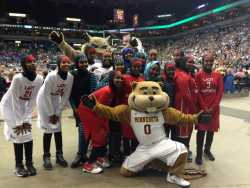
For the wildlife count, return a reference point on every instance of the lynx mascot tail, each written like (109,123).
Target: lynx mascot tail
(147,112)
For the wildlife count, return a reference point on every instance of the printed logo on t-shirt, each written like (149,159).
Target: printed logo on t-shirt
(209,85)
(59,90)
(27,93)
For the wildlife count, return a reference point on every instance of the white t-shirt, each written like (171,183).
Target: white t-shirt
(52,98)
(17,105)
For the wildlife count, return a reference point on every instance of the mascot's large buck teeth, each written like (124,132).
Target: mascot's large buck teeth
(151,109)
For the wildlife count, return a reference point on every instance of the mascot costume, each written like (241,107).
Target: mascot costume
(147,112)
(100,44)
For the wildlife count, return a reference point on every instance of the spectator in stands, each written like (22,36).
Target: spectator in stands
(152,55)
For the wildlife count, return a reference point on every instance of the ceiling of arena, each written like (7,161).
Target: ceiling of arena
(50,12)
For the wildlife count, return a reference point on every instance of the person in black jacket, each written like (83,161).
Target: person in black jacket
(84,83)
(169,86)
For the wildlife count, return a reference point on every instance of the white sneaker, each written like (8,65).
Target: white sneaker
(91,168)
(103,162)
(177,180)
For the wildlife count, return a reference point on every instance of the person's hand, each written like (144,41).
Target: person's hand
(76,113)
(27,127)
(204,117)
(209,110)
(53,119)
(56,37)
(88,101)
(19,130)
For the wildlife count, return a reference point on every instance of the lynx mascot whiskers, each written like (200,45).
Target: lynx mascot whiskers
(147,112)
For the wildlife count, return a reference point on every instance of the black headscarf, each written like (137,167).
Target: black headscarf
(118,92)
(29,74)
(80,58)
(61,73)
(181,63)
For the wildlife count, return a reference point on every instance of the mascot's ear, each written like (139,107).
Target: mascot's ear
(107,39)
(87,37)
(133,85)
(161,84)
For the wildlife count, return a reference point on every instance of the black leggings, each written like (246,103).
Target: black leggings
(200,142)
(18,149)
(114,138)
(47,141)
(129,146)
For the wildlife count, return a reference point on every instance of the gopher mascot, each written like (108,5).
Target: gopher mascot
(147,112)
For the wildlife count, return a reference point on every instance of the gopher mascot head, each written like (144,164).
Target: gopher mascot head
(147,96)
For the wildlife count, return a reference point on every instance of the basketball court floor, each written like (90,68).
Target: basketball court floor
(231,169)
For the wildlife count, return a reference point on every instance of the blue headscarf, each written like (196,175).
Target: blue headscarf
(148,67)
(127,64)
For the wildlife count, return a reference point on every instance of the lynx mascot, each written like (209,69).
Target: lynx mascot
(100,44)
(147,112)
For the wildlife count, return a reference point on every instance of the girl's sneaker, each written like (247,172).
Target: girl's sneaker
(91,168)
(103,162)
(20,171)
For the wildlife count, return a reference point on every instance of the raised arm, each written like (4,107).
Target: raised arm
(58,38)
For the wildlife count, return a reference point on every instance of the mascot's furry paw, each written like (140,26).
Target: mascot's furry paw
(56,37)
(133,42)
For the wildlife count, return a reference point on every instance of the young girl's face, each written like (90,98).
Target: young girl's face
(119,66)
(153,56)
(65,64)
(83,65)
(155,70)
(118,80)
(31,65)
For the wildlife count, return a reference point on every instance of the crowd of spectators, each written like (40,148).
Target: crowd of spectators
(230,43)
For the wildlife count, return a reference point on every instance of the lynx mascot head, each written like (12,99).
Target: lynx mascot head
(100,44)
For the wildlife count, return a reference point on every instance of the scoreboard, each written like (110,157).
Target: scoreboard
(119,16)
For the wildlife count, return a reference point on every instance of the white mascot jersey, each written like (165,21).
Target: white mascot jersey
(148,127)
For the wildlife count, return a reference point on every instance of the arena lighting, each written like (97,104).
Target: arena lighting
(76,44)
(28,26)
(11,14)
(18,42)
(73,19)
(164,15)
(192,18)
(202,6)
